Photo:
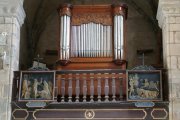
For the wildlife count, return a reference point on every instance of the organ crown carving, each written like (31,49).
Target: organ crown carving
(90,33)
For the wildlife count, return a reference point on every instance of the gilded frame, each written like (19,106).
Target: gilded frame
(144,85)
(37,86)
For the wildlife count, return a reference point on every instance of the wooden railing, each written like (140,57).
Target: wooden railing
(91,85)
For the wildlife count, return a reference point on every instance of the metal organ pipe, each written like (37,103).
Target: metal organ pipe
(120,14)
(65,37)
(118,37)
(61,39)
(91,40)
(115,37)
(64,40)
(122,38)
(68,38)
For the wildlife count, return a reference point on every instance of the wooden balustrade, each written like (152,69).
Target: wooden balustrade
(91,85)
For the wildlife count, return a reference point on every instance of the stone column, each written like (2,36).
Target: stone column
(11,18)
(169,20)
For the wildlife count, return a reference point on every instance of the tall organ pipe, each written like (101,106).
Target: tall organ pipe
(65,16)
(120,14)
(122,38)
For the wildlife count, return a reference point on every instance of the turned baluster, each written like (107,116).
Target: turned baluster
(99,89)
(70,90)
(121,88)
(92,89)
(77,88)
(84,89)
(106,89)
(62,89)
(114,89)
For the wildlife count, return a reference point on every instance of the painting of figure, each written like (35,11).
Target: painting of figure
(144,85)
(37,85)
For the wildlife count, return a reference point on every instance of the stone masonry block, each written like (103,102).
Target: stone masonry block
(3,104)
(177,19)
(3,116)
(179,62)
(175,74)
(176,113)
(177,37)
(167,48)
(171,39)
(176,110)
(176,90)
(15,21)
(15,40)
(174,62)
(2,28)
(175,80)
(168,62)
(15,29)
(173,91)
(1,90)
(4,76)
(8,20)
(8,29)
(174,49)
(7,89)
(172,19)
(174,27)
(8,39)
(2,20)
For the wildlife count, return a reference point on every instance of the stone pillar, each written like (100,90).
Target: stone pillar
(11,18)
(169,20)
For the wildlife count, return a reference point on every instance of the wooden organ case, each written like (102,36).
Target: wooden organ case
(92,37)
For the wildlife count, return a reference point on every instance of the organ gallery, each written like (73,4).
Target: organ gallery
(90,78)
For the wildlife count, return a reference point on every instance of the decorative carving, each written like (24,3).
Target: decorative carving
(102,18)
(20,114)
(65,10)
(2,57)
(120,10)
(3,38)
(159,113)
(89,114)
(37,65)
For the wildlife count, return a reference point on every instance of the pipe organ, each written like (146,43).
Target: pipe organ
(95,43)
(91,33)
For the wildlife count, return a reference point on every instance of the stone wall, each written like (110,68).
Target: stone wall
(10,22)
(169,20)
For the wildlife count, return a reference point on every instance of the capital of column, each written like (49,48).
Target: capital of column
(12,8)
(167,8)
